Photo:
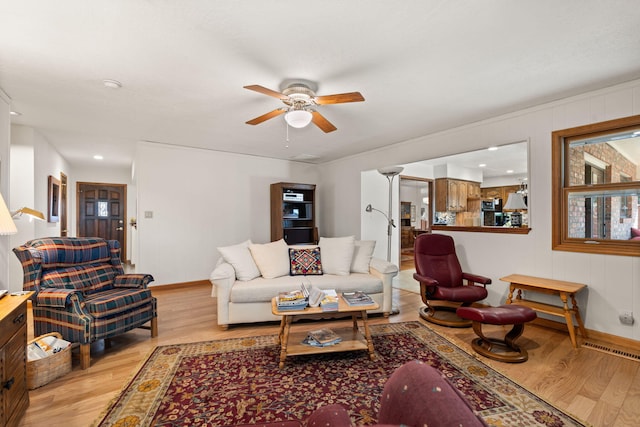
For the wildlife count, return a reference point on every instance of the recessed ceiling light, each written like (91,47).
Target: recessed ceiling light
(15,113)
(492,148)
(113,84)
(509,170)
(482,165)
(98,157)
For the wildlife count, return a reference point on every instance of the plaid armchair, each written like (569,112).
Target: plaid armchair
(82,291)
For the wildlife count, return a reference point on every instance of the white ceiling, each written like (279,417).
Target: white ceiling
(422,66)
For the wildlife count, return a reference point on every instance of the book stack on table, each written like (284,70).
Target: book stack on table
(357,298)
(330,301)
(294,300)
(322,338)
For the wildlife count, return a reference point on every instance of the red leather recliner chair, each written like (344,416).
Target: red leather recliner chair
(442,281)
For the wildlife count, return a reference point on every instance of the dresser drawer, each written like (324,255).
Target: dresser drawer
(14,398)
(11,323)
(15,370)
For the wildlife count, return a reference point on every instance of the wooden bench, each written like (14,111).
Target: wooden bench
(565,290)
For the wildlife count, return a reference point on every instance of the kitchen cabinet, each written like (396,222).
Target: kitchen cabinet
(14,396)
(451,195)
(499,192)
(293,215)
(473,190)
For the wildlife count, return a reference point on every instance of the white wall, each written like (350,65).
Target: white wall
(375,191)
(613,281)
(5,248)
(201,200)
(33,160)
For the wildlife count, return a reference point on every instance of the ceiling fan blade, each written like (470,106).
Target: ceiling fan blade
(265,117)
(267,91)
(339,98)
(324,124)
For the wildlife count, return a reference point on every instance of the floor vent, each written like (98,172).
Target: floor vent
(616,352)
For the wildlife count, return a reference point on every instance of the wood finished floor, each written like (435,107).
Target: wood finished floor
(597,387)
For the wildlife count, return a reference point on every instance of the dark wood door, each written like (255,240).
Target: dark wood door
(102,209)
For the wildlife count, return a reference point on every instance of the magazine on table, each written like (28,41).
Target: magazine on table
(292,297)
(322,338)
(293,300)
(329,303)
(357,298)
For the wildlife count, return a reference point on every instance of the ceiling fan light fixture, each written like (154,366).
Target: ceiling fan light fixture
(298,118)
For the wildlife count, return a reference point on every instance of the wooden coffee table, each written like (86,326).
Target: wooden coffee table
(352,338)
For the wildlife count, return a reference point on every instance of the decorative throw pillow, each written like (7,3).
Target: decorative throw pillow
(241,260)
(363,251)
(305,262)
(337,253)
(272,258)
(635,233)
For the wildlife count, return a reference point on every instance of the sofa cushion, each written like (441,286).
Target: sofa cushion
(337,254)
(88,279)
(305,262)
(112,302)
(362,254)
(263,290)
(63,252)
(240,258)
(272,258)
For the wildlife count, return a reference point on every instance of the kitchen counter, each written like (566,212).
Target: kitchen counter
(482,229)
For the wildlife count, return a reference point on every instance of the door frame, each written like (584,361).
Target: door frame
(64,217)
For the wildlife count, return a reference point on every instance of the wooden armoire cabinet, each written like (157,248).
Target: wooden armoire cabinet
(293,213)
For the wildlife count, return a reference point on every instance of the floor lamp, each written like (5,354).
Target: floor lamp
(390,172)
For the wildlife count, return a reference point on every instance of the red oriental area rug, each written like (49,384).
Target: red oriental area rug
(237,381)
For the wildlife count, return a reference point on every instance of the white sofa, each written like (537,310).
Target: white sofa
(248,276)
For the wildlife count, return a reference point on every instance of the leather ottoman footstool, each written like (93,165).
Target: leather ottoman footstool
(503,350)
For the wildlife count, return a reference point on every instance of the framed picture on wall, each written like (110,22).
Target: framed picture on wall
(53,202)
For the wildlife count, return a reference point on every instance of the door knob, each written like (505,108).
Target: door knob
(119,228)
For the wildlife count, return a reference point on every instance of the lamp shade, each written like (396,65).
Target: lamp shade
(7,226)
(515,201)
(298,118)
(390,170)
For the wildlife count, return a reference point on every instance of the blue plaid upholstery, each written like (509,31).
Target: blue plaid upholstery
(81,289)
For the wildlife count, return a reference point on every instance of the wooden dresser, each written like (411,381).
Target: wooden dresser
(14,396)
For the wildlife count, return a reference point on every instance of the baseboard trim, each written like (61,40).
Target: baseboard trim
(180,285)
(598,336)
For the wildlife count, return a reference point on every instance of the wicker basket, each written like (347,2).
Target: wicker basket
(43,371)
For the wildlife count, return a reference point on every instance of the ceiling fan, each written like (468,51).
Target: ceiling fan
(300,99)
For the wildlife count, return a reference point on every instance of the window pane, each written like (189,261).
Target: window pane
(604,159)
(607,215)
(596,187)
(103,209)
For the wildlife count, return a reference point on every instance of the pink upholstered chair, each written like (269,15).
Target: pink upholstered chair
(442,281)
(416,394)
